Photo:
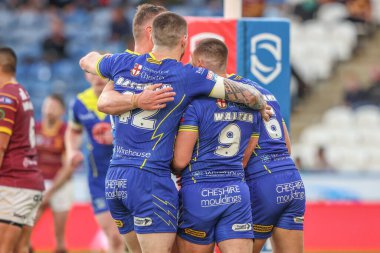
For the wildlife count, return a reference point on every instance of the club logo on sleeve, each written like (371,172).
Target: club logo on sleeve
(142,222)
(211,76)
(221,103)
(136,70)
(242,227)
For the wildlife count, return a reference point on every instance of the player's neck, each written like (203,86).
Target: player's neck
(5,79)
(161,53)
(222,74)
(142,48)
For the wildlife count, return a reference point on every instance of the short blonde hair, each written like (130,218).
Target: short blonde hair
(145,13)
(168,29)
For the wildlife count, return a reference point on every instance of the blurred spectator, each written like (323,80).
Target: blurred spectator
(360,10)
(121,29)
(54,47)
(374,90)
(321,162)
(354,95)
(253,8)
(307,9)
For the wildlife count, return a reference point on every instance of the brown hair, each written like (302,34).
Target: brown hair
(168,29)
(144,13)
(213,52)
(8,60)
(58,98)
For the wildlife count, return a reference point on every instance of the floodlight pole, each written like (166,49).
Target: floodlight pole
(232,8)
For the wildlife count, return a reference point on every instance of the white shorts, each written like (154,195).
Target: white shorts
(62,199)
(18,205)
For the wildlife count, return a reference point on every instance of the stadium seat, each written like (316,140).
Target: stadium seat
(332,12)
(339,116)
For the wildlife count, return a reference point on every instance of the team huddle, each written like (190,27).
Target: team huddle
(222,134)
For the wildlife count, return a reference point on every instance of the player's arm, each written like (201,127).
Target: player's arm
(90,62)
(186,139)
(4,141)
(8,110)
(240,93)
(183,149)
(287,138)
(250,149)
(115,103)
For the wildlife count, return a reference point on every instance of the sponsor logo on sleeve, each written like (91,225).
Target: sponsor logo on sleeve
(5,100)
(142,222)
(195,233)
(242,227)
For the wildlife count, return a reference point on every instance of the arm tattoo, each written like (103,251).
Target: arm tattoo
(243,94)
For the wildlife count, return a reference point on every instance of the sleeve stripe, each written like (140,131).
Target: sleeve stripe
(8,95)
(6,130)
(9,120)
(218,91)
(97,67)
(188,130)
(8,107)
(255,135)
(188,126)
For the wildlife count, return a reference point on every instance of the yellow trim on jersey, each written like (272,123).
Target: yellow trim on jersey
(165,202)
(229,75)
(90,100)
(9,120)
(266,168)
(131,52)
(97,66)
(143,164)
(154,136)
(6,130)
(255,135)
(8,107)
(218,91)
(188,128)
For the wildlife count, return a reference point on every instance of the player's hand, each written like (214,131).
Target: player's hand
(266,112)
(102,133)
(45,201)
(153,98)
(75,158)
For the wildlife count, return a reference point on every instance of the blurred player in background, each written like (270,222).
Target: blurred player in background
(277,191)
(214,198)
(144,139)
(21,182)
(84,117)
(50,134)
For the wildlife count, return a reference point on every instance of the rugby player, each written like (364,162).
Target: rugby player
(83,118)
(140,192)
(147,100)
(276,188)
(215,205)
(21,182)
(50,146)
